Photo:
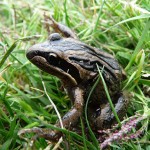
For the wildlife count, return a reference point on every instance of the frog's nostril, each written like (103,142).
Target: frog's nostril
(30,54)
(54,37)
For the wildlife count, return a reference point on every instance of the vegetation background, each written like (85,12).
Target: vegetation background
(119,27)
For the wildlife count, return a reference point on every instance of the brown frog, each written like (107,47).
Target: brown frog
(75,64)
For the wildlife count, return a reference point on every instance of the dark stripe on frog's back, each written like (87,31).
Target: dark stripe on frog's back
(106,57)
(92,58)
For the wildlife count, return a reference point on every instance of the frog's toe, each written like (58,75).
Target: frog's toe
(39,132)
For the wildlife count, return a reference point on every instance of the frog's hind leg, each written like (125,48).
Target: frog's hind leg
(106,118)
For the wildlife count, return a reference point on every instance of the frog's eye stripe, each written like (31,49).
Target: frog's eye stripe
(65,66)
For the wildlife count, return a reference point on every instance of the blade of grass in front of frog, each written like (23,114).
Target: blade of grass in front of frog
(94,139)
(52,103)
(108,96)
(55,108)
(83,133)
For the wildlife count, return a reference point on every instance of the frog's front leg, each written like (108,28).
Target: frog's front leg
(106,118)
(68,120)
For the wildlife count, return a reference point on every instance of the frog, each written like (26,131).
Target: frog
(76,64)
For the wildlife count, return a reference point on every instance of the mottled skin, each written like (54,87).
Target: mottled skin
(74,63)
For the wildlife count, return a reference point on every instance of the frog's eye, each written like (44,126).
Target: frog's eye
(52,59)
(54,37)
(52,55)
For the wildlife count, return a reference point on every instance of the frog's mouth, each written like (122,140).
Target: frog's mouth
(55,65)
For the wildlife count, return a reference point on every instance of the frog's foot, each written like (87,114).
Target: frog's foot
(60,28)
(48,134)
(106,118)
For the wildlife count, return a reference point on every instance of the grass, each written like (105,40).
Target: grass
(119,27)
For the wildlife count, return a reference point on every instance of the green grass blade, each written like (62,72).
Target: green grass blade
(95,142)
(83,134)
(108,97)
(99,14)
(139,45)
(66,14)
(12,47)
(143,16)
(7,105)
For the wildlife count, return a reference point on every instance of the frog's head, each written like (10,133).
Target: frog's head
(72,61)
(54,57)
